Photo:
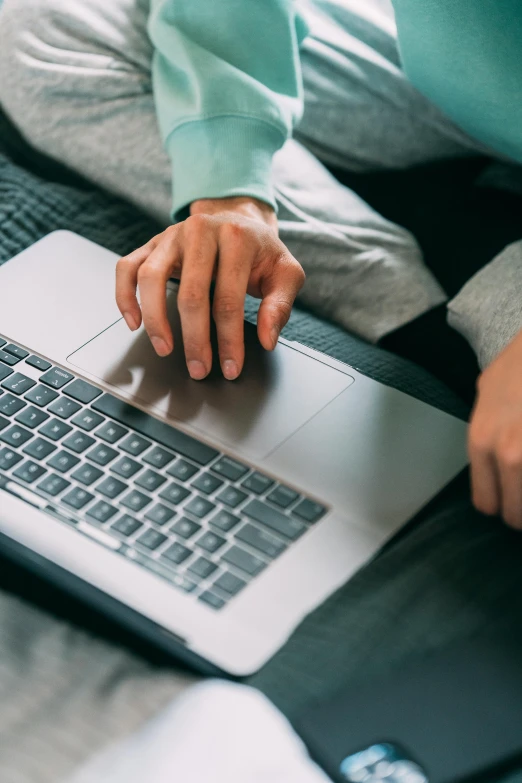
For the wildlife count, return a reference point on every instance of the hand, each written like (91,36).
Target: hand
(233,241)
(495,437)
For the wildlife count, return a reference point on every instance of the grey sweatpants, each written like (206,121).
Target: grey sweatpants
(75,77)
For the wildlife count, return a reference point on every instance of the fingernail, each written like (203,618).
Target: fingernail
(230,369)
(130,321)
(274,334)
(160,346)
(196,369)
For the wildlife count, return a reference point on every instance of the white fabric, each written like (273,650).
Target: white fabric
(216,732)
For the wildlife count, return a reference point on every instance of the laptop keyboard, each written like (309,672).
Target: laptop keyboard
(202,520)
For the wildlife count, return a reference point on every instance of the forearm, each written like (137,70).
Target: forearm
(228,92)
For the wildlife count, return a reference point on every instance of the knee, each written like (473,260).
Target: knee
(25,68)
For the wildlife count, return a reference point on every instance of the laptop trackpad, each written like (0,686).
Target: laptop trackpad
(274,396)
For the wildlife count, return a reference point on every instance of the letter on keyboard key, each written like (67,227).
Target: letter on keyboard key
(56,377)
(309,510)
(18,383)
(279,523)
(16,436)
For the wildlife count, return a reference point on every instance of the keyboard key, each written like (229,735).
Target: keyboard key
(10,405)
(63,408)
(41,396)
(32,417)
(257,483)
(55,429)
(156,430)
(77,498)
(87,420)
(309,510)
(63,461)
(102,454)
(282,496)
(52,485)
(29,471)
(176,553)
(2,342)
(261,540)
(8,359)
(126,525)
(126,467)
(244,561)
(18,383)
(202,568)
(102,511)
(82,391)
(4,423)
(212,600)
(275,520)
(174,493)
(210,542)
(111,432)
(162,569)
(207,483)
(158,457)
(160,514)
(229,583)
(150,480)
(16,436)
(111,487)
(5,372)
(230,468)
(56,377)
(136,500)
(15,350)
(185,528)
(8,458)
(134,444)
(224,521)
(78,442)
(151,539)
(39,448)
(40,364)
(87,474)
(182,470)
(199,506)
(231,496)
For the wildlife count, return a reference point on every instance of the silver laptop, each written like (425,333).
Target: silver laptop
(211,516)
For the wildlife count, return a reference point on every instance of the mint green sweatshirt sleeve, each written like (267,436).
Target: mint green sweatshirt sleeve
(228,91)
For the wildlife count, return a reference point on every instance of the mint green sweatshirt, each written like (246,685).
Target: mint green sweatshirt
(228,91)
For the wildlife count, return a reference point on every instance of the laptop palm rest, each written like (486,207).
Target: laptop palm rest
(276,394)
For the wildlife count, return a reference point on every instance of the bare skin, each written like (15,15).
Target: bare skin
(233,241)
(495,437)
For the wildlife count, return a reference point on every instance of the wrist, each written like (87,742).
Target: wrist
(252,208)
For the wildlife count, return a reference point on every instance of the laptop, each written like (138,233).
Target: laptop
(211,517)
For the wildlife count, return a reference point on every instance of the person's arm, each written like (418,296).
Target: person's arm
(227,86)
(488,312)
(228,91)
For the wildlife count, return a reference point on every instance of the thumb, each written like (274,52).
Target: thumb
(279,290)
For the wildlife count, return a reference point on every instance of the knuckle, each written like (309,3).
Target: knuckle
(509,454)
(197,223)
(233,231)
(191,299)
(147,273)
(480,439)
(227,306)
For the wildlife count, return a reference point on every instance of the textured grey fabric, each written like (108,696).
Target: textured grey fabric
(488,309)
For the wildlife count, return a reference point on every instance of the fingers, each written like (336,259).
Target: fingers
(153,275)
(127,280)
(485,487)
(236,256)
(199,260)
(279,290)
